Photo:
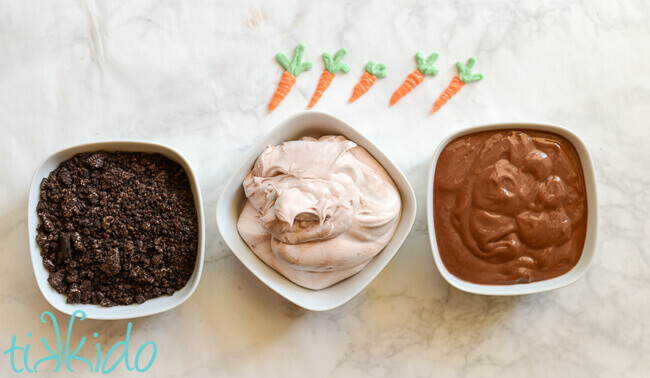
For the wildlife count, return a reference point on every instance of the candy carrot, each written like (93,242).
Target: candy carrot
(425,67)
(373,71)
(464,76)
(332,67)
(292,68)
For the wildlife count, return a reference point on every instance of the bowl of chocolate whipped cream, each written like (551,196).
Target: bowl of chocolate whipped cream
(512,208)
(316,211)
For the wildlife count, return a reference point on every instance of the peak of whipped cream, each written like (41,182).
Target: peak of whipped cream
(318,210)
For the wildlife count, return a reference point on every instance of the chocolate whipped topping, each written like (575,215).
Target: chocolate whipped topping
(318,210)
(509,206)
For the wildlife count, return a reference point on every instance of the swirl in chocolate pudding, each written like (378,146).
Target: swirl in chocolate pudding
(509,206)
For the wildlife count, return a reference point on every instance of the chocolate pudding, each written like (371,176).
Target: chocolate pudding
(510,206)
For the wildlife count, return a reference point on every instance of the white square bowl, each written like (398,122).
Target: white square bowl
(592,217)
(149,307)
(232,202)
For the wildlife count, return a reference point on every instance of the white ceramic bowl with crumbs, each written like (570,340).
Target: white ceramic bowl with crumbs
(588,249)
(233,199)
(149,307)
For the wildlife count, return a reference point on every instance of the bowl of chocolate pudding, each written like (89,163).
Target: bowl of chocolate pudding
(512,208)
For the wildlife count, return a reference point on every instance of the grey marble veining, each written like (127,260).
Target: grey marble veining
(198,75)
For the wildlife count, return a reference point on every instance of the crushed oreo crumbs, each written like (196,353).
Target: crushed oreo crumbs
(117,228)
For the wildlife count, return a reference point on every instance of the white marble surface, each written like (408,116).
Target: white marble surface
(198,75)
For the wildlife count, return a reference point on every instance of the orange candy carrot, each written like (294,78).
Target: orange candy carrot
(332,67)
(464,76)
(413,80)
(324,82)
(452,89)
(287,81)
(373,71)
(292,68)
(425,67)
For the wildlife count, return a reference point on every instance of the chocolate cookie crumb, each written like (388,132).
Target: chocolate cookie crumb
(117,228)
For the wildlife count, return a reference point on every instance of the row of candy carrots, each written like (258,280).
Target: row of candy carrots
(333,65)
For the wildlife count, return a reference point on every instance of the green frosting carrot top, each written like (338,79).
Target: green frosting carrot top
(376,69)
(294,66)
(334,65)
(465,71)
(425,66)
